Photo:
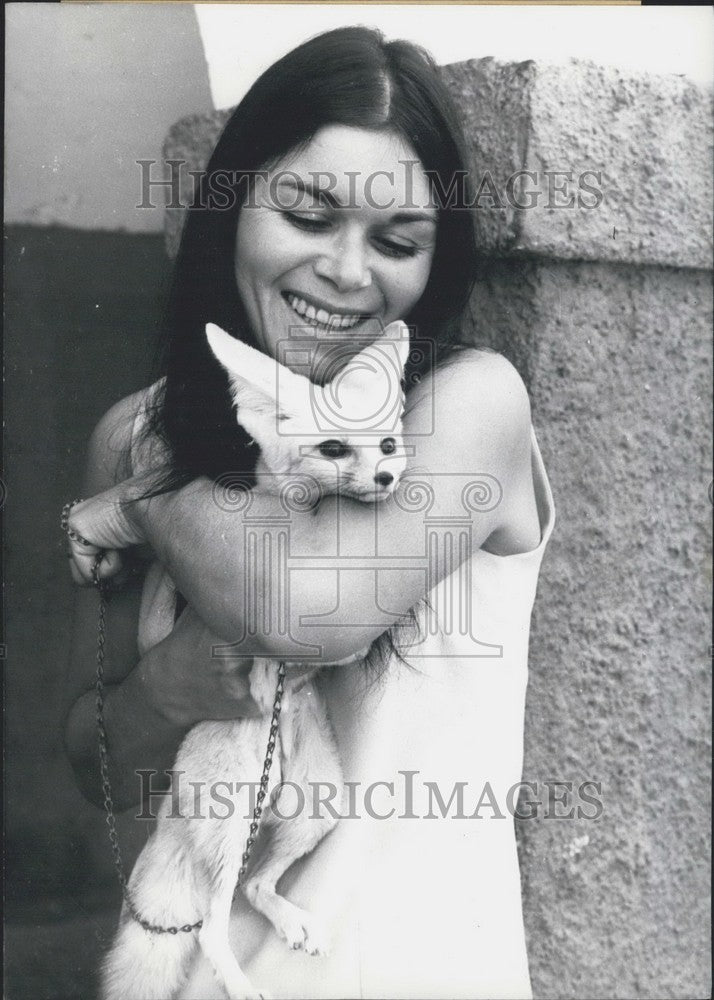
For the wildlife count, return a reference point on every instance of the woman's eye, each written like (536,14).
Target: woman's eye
(312,223)
(388,446)
(333,449)
(318,222)
(391,249)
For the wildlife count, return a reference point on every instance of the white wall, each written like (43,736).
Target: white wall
(89,89)
(242,40)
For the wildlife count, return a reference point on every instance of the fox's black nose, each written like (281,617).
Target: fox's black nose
(384,478)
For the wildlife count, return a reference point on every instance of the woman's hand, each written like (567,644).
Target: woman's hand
(187,683)
(105,524)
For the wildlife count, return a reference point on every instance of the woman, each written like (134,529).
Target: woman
(356,142)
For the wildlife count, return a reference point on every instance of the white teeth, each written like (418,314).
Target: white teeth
(320,317)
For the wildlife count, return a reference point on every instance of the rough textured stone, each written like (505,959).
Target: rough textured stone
(648,137)
(618,361)
(494,100)
(190,143)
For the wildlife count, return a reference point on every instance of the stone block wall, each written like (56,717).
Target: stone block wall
(606,311)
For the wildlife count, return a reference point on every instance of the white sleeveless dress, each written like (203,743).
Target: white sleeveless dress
(419,882)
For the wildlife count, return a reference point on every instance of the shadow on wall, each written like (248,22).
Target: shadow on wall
(82,310)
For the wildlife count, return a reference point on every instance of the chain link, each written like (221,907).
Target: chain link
(104,590)
(64,521)
(262,790)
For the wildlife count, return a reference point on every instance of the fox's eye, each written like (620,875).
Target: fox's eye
(388,446)
(333,449)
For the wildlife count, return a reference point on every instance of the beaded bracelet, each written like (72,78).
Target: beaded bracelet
(64,522)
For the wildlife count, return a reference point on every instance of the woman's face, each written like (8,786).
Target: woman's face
(336,243)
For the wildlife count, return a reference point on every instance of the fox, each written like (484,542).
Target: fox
(344,437)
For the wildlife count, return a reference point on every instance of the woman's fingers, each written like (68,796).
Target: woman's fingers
(103,522)
(82,558)
(100,526)
(111,563)
(83,562)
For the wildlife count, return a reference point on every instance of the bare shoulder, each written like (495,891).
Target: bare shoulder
(478,399)
(109,450)
(483,377)
(473,415)
(486,385)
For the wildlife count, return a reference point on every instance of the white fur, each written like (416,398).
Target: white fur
(189,868)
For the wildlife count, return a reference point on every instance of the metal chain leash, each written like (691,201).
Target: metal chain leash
(104,770)
(262,791)
(104,591)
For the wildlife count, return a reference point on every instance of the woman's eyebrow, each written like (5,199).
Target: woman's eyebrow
(304,187)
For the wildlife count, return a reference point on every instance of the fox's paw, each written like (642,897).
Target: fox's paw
(305,932)
(247,994)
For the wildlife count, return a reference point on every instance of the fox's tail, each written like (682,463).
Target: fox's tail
(144,965)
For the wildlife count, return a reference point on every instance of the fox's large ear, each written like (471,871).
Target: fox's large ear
(256,379)
(385,358)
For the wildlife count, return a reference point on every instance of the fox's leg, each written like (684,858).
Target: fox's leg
(308,748)
(221,751)
(214,938)
(188,870)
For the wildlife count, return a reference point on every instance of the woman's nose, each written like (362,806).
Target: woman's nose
(345,266)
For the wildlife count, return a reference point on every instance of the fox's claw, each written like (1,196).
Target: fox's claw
(304,932)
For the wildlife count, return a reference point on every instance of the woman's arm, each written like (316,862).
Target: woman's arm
(364,565)
(150,702)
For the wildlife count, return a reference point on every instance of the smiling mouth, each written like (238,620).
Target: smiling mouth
(323,319)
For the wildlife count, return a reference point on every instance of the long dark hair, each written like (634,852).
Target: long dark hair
(349,76)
